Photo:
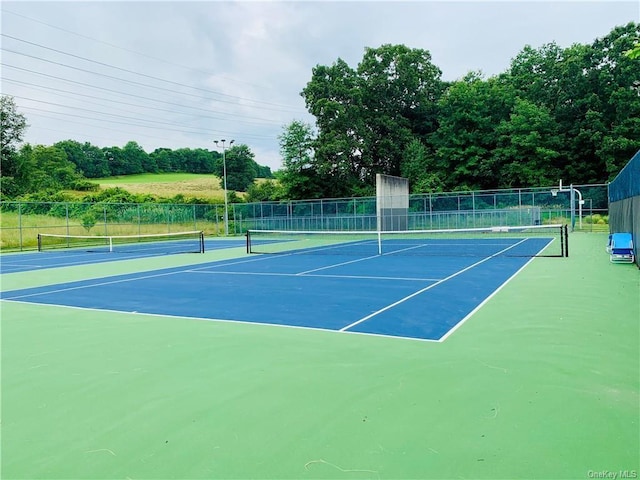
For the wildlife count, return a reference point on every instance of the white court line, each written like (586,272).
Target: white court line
(190,269)
(459,324)
(233,261)
(116,257)
(275,274)
(362,259)
(99,284)
(402,300)
(19,265)
(337,265)
(225,320)
(274,257)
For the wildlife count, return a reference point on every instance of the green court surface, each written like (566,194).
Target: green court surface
(542,382)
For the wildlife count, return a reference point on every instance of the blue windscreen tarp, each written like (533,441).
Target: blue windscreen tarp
(627,182)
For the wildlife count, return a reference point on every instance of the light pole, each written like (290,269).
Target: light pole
(224,175)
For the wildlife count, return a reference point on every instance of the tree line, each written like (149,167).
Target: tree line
(556,113)
(26,169)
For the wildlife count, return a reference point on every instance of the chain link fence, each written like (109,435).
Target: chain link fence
(20,222)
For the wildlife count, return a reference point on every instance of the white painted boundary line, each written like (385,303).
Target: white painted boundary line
(364,277)
(186,268)
(461,322)
(337,265)
(222,320)
(408,297)
(98,284)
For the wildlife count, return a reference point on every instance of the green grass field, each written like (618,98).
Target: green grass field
(168,185)
(542,382)
(153,178)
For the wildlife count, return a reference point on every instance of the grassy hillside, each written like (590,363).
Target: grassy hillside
(168,184)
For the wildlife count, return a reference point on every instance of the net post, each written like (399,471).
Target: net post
(247,234)
(201,241)
(379,242)
(39,243)
(110,244)
(566,241)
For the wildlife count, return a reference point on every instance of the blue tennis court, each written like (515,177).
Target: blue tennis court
(417,297)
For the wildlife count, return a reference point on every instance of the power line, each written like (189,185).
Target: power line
(285,107)
(75,133)
(118,47)
(73,94)
(132,94)
(123,117)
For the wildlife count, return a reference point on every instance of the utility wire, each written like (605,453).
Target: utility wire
(132,94)
(120,122)
(118,47)
(132,82)
(285,107)
(73,94)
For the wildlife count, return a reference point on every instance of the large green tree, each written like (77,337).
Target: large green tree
(47,168)
(241,168)
(619,82)
(299,177)
(332,97)
(89,160)
(469,112)
(366,117)
(136,160)
(528,147)
(419,167)
(592,93)
(399,89)
(12,127)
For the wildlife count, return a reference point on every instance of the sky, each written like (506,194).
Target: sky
(180,74)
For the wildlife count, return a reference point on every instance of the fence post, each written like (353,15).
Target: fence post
(104,217)
(20,222)
(66,214)
(473,207)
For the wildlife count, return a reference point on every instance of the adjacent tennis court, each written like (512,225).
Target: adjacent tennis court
(66,254)
(313,364)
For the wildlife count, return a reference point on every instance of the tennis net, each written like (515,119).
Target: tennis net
(529,241)
(151,244)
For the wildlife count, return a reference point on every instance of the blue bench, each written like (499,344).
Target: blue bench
(620,248)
